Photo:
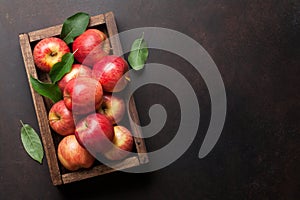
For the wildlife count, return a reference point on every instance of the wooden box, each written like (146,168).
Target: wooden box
(59,175)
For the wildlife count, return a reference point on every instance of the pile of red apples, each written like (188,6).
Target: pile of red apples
(88,115)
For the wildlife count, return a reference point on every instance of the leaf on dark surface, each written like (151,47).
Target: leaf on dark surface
(32,143)
(138,54)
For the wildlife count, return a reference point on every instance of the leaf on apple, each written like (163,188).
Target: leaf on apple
(32,142)
(48,90)
(61,68)
(138,54)
(74,26)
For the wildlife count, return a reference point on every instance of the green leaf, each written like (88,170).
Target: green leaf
(48,90)
(32,142)
(138,54)
(61,68)
(74,26)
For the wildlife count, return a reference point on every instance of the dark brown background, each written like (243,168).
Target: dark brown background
(255,45)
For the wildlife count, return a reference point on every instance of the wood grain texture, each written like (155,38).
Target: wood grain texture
(41,112)
(99,170)
(113,34)
(135,126)
(97,20)
(44,33)
(132,111)
(55,30)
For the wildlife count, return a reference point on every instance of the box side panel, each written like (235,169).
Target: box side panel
(99,170)
(132,111)
(40,112)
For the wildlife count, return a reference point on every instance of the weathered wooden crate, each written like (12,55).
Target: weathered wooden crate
(59,175)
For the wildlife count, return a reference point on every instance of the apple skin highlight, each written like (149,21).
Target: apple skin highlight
(48,52)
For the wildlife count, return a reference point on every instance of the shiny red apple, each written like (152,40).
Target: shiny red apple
(77,70)
(83,95)
(61,119)
(123,144)
(113,107)
(109,71)
(48,52)
(72,155)
(95,132)
(90,47)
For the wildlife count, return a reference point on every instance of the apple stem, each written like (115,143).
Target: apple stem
(53,54)
(75,51)
(127,78)
(86,124)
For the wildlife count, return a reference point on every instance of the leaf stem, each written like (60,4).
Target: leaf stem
(22,122)
(142,36)
(139,46)
(68,34)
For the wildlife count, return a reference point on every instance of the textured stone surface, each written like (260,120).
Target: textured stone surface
(256,47)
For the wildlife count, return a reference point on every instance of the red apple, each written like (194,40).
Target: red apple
(123,144)
(72,155)
(83,95)
(61,119)
(76,71)
(112,107)
(95,132)
(91,46)
(49,51)
(109,71)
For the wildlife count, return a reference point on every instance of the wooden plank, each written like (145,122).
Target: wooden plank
(41,112)
(44,33)
(113,34)
(97,20)
(99,170)
(135,126)
(117,50)
(55,30)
